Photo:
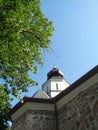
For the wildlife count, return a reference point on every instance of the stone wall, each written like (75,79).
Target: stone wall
(36,120)
(18,124)
(40,120)
(80,113)
(75,113)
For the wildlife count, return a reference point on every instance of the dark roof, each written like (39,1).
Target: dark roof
(29,99)
(77,83)
(55,72)
(59,96)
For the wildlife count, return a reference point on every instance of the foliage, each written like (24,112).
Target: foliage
(4,107)
(4,125)
(24,32)
(4,99)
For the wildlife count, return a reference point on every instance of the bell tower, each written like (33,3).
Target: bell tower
(55,82)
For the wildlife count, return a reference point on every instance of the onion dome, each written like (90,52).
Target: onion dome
(55,72)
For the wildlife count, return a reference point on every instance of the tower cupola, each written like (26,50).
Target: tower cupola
(55,72)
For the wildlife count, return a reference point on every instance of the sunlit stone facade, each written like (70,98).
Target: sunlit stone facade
(74,108)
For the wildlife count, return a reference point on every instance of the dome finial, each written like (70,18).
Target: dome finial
(54,66)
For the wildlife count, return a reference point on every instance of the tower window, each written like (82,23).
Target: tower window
(56,86)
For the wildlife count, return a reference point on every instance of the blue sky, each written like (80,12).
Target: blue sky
(74,44)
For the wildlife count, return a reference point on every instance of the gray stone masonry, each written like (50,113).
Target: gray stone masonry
(36,120)
(81,113)
(19,123)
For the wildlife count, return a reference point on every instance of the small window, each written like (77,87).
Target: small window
(56,86)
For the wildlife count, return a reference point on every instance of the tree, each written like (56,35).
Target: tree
(24,32)
(4,107)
